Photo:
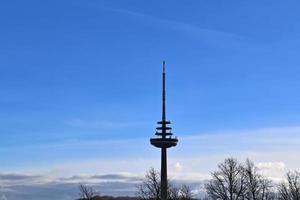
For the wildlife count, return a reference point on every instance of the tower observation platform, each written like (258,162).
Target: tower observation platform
(164,139)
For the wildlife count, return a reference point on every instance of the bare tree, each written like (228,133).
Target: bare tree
(257,187)
(86,192)
(267,189)
(185,193)
(173,192)
(228,183)
(253,187)
(290,190)
(150,188)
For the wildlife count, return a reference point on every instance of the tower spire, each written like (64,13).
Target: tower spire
(164,93)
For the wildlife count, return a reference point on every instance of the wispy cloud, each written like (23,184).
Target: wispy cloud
(255,139)
(274,150)
(210,36)
(195,156)
(104,124)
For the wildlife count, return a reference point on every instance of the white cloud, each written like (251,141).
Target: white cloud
(273,170)
(177,167)
(278,166)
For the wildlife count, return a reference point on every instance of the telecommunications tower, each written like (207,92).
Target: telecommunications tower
(164,139)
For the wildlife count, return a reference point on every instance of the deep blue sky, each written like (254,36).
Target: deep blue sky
(90,70)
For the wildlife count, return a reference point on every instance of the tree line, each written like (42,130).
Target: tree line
(237,181)
(231,181)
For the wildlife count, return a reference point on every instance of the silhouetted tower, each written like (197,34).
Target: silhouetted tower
(164,140)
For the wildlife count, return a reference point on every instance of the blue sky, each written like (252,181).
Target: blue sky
(80,81)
